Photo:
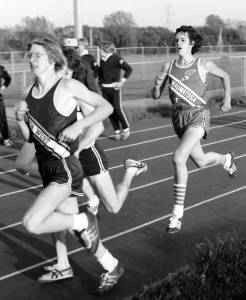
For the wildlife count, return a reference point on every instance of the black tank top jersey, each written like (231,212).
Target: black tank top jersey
(50,122)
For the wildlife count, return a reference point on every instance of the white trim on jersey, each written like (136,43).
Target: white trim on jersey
(50,143)
(187,91)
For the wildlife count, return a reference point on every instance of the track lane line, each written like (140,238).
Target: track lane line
(148,141)
(121,165)
(148,129)
(138,187)
(125,232)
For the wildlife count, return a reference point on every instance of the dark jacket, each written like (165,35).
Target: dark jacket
(5,78)
(81,69)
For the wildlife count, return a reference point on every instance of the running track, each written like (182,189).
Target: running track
(215,205)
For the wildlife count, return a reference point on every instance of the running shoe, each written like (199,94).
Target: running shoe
(174,225)
(55,274)
(8,143)
(117,135)
(229,165)
(140,166)
(125,134)
(89,238)
(93,208)
(109,280)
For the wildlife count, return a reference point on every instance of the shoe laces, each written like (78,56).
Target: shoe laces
(174,222)
(107,279)
(55,273)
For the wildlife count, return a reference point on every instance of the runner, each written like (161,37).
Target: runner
(190,115)
(94,164)
(48,116)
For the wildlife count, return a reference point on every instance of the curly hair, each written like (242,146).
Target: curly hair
(193,36)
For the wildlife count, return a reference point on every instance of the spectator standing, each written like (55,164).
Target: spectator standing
(84,53)
(110,80)
(5,81)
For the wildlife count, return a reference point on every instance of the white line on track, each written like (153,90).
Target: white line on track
(122,233)
(8,171)
(148,141)
(142,225)
(153,128)
(119,166)
(168,137)
(138,187)
(20,191)
(170,125)
(9,155)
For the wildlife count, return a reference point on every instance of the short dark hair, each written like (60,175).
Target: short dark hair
(53,50)
(107,46)
(193,36)
(83,41)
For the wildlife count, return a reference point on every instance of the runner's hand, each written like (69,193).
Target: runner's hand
(69,134)
(20,110)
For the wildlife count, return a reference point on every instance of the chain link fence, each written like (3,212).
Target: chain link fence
(146,64)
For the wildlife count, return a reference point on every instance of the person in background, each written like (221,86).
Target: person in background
(5,81)
(82,68)
(190,115)
(84,53)
(111,65)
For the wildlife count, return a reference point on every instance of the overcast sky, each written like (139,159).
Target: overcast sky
(145,12)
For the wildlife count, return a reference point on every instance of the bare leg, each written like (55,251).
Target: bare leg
(113,199)
(188,142)
(103,256)
(190,145)
(41,217)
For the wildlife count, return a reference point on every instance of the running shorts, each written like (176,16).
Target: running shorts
(64,172)
(93,160)
(195,117)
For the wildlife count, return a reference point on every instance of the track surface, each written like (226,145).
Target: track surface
(215,205)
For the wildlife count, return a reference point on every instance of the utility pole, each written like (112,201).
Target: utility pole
(168,16)
(220,43)
(78,26)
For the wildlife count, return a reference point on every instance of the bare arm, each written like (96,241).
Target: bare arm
(160,82)
(102,108)
(210,67)
(20,115)
(92,133)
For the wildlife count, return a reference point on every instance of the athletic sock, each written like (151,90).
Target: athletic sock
(108,262)
(179,197)
(80,222)
(126,130)
(227,160)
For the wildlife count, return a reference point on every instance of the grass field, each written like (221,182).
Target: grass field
(144,71)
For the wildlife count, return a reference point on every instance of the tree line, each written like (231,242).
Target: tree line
(120,28)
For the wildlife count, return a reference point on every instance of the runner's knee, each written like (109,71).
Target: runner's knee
(179,158)
(31,224)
